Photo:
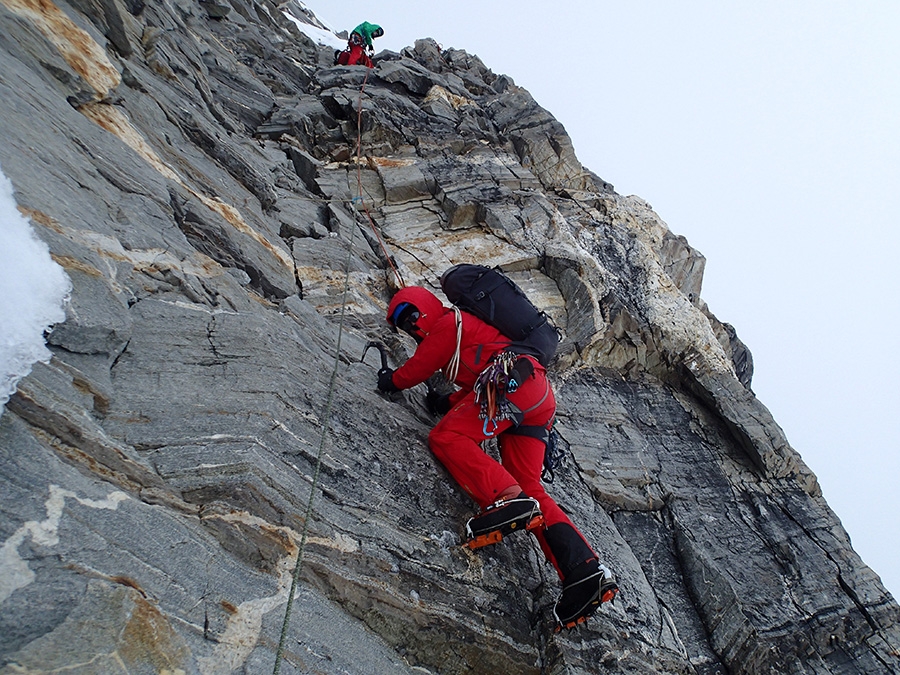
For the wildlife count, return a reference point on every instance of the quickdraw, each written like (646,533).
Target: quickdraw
(491,389)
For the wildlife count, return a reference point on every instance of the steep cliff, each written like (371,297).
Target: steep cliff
(225,203)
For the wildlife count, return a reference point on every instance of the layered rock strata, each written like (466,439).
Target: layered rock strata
(230,209)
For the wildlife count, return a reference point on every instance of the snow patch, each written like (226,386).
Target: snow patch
(322,36)
(33,292)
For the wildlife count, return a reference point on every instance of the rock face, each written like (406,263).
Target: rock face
(226,204)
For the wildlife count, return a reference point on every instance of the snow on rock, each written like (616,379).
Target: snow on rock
(311,26)
(33,293)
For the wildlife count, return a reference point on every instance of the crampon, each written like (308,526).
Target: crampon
(502,519)
(583,593)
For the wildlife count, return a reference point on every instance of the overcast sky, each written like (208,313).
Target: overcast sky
(768,134)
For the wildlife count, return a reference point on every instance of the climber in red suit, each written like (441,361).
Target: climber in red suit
(513,485)
(359,47)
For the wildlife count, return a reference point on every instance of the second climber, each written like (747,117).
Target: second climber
(360,49)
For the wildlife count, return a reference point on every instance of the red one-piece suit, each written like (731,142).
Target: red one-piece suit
(456,440)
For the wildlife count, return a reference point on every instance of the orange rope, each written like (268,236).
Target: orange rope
(359,181)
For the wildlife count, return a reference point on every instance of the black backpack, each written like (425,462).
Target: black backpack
(494,298)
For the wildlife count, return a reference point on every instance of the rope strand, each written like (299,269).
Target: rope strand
(295,577)
(359,189)
(452,369)
(312,491)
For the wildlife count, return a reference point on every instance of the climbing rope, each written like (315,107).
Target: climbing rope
(312,491)
(451,370)
(359,189)
(295,577)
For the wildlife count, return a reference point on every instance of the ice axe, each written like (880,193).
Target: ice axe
(385,371)
(384,366)
(381,350)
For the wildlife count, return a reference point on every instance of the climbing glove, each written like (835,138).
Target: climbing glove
(386,381)
(437,404)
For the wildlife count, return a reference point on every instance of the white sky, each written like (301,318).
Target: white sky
(768,134)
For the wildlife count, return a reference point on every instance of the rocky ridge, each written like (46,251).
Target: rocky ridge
(194,168)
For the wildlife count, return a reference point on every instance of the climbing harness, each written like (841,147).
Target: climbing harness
(554,457)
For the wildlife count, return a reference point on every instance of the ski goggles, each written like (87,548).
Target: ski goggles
(405,317)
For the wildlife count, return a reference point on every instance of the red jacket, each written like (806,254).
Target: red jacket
(479,342)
